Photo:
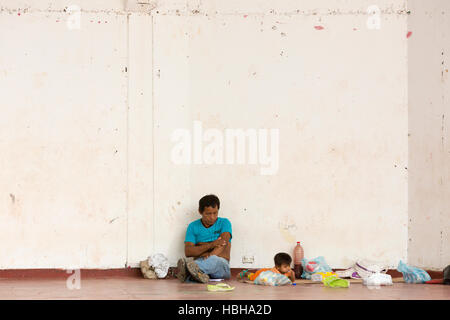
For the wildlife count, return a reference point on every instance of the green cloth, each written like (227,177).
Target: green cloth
(335,282)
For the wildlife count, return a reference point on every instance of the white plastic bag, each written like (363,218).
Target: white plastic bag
(378,279)
(160,264)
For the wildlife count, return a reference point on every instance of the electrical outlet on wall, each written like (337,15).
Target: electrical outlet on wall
(248,259)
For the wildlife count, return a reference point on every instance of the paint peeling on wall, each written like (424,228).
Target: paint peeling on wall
(22,12)
(190,8)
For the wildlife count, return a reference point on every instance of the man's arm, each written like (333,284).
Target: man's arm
(192,250)
(223,249)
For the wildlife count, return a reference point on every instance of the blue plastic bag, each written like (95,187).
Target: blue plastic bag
(413,274)
(270,278)
(313,266)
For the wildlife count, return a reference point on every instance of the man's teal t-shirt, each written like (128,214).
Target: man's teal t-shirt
(196,231)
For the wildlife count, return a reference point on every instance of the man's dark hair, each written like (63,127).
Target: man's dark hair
(210,200)
(282,258)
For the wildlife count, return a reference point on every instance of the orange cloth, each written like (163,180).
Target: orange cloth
(255,275)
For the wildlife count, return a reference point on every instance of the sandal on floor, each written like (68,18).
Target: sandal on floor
(220,287)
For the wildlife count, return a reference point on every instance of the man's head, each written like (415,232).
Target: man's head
(282,262)
(208,207)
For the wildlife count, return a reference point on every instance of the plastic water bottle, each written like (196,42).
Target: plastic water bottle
(298,256)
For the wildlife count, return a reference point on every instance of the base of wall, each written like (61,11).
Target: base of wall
(63,274)
(128,272)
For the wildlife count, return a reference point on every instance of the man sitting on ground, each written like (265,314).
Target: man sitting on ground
(207,245)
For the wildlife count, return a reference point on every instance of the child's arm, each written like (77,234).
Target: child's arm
(292,276)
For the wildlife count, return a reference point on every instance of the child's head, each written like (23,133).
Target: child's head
(282,262)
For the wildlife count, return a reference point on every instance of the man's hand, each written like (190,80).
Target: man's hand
(220,247)
(218,243)
(205,255)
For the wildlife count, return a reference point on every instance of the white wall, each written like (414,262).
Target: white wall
(63,140)
(338,97)
(429,165)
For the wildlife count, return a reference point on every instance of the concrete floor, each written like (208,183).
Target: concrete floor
(135,288)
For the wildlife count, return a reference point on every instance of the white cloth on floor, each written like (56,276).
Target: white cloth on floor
(362,269)
(160,264)
(348,273)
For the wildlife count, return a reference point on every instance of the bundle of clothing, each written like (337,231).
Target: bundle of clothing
(155,267)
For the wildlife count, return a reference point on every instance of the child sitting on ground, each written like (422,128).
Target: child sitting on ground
(282,266)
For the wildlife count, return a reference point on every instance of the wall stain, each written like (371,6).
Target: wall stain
(285,230)
(111,221)
(39,79)
(16,208)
